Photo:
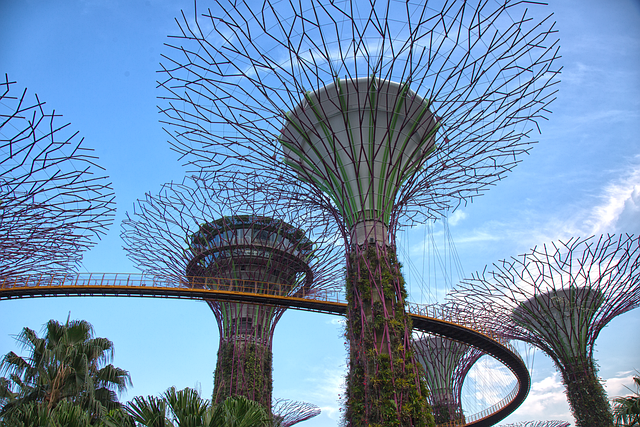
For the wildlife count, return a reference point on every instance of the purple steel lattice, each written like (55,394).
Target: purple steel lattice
(370,116)
(52,204)
(558,297)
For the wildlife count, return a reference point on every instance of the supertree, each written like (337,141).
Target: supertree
(378,115)
(559,297)
(195,233)
(289,412)
(52,205)
(446,364)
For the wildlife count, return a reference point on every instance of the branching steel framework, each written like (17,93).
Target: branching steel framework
(52,206)
(558,297)
(446,364)
(290,412)
(193,232)
(378,115)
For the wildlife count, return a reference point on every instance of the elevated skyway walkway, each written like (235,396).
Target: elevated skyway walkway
(425,318)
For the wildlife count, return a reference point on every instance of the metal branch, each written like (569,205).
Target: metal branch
(53,206)
(379,115)
(487,82)
(559,297)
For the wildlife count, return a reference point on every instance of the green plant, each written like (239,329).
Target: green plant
(185,408)
(627,409)
(383,386)
(66,366)
(243,369)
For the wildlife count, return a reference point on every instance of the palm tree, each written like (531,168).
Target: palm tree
(185,408)
(117,418)
(627,409)
(66,365)
(238,411)
(149,411)
(33,414)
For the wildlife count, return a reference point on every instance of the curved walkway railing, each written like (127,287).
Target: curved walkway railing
(425,318)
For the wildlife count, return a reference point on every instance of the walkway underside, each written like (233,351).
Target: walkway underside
(130,285)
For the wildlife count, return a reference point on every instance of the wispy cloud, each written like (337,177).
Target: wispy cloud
(620,385)
(457,216)
(615,209)
(327,389)
(547,399)
(579,73)
(619,210)
(341,321)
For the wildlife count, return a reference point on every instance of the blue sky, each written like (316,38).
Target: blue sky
(95,62)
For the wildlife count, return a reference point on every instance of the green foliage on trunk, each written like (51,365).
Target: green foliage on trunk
(444,413)
(243,369)
(384,387)
(586,395)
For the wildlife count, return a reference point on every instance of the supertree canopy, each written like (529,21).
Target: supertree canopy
(446,364)
(558,298)
(249,253)
(196,233)
(378,115)
(52,205)
(289,412)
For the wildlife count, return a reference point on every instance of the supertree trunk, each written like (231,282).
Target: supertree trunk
(243,369)
(245,359)
(586,395)
(383,385)
(446,364)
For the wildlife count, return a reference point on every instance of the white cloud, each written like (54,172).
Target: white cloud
(579,73)
(616,209)
(621,385)
(457,217)
(341,321)
(547,385)
(546,400)
(327,388)
(322,386)
(619,210)
(479,236)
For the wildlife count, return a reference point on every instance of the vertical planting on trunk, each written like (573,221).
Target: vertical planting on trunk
(384,387)
(243,369)
(586,395)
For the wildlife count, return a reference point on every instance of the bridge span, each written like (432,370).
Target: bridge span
(425,318)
